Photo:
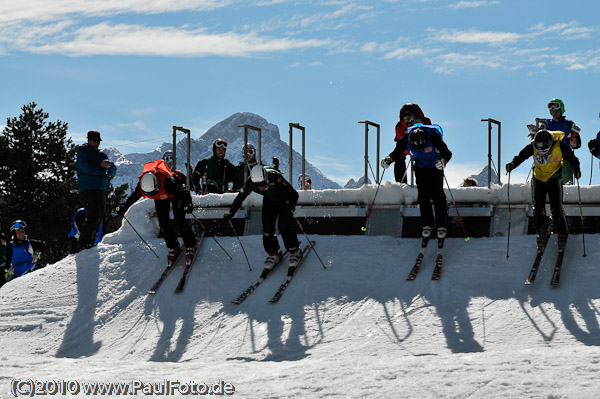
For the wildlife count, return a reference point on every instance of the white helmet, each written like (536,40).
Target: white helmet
(258,174)
(149,184)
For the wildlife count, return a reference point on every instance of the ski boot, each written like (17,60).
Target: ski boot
(173,255)
(541,241)
(190,254)
(441,233)
(295,258)
(426,233)
(272,260)
(562,241)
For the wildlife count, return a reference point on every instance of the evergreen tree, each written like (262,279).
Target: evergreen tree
(37,178)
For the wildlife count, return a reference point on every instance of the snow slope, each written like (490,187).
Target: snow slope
(356,329)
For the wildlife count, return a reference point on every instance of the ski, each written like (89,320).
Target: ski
(437,270)
(265,273)
(188,265)
(538,260)
(164,275)
(291,272)
(415,270)
(558,265)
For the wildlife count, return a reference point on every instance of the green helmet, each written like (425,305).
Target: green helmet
(557,103)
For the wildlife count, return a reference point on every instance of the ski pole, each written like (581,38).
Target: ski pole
(456,208)
(213,237)
(142,238)
(581,218)
(591,167)
(307,239)
(364,228)
(240,241)
(509,215)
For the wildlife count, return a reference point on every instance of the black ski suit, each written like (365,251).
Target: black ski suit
(279,200)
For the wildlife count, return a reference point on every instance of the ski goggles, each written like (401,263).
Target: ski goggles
(18,225)
(168,159)
(250,151)
(553,105)
(221,144)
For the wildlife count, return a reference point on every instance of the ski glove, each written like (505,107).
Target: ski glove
(577,174)
(510,167)
(592,146)
(227,217)
(386,162)
(291,205)
(440,164)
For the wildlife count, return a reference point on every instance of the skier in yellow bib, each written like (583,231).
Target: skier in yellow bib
(548,151)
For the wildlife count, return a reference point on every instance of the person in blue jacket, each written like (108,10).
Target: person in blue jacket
(5,258)
(76,226)
(558,122)
(426,146)
(25,252)
(93,173)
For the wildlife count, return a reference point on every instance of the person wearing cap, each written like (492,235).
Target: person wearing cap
(25,252)
(279,200)
(93,173)
(242,171)
(213,174)
(548,151)
(410,114)
(426,146)
(6,272)
(166,187)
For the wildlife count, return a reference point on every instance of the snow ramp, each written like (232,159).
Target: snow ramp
(355,328)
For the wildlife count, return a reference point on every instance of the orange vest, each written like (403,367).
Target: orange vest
(161,170)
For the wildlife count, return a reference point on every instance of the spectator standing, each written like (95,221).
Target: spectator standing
(213,174)
(410,114)
(93,173)
(25,252)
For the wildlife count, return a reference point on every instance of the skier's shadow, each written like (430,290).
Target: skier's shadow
(176,314)
(78,340)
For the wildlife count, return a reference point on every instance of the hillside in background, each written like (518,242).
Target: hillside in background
(130,165)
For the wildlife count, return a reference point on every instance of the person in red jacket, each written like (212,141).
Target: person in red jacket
(166,188)
(410,114)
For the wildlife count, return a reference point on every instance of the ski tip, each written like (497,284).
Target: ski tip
(151,292)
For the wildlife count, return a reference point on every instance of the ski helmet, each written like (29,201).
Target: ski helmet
(167,156)
(149,184)
(17,224)
(305,177)
(543,142)
(557,103)
(418,138)
(248,149)
(219,143)
(258,175)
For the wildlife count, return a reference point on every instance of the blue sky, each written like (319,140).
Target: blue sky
(132,69)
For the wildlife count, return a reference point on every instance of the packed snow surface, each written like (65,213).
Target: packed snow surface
(356,328)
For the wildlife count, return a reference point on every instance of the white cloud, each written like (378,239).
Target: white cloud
(473,36)
(472,4)
(48,10)
(107,39)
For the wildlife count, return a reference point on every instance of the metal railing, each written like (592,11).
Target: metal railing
(367,124)
(491,121)
(188,166)
(291,163)
(258,149)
